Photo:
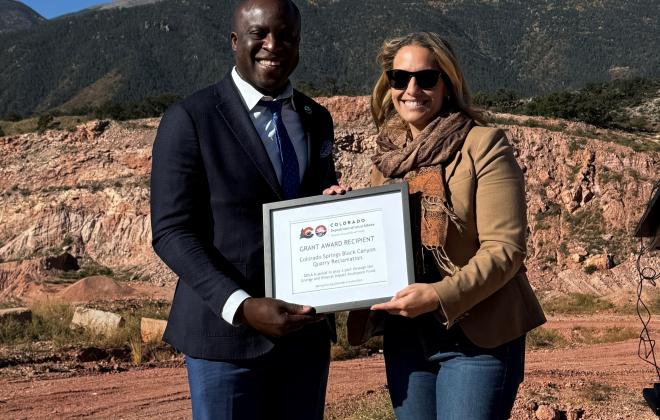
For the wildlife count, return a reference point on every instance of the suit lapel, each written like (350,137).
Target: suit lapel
(232,109)
(307,118)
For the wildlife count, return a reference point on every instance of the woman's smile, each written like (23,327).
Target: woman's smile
(415,104)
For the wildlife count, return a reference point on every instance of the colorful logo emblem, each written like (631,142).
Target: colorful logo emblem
(320,230)
(306,233)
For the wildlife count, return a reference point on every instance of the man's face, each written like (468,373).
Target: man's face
(265,44)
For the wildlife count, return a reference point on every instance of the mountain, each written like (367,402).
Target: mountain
(15,16)
(178,46)
(114,4)
(126,3)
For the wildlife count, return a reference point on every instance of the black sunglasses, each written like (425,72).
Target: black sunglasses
(426,79)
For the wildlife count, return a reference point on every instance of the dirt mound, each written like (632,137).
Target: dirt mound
(96,288)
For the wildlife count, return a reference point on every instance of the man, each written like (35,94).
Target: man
(218,156)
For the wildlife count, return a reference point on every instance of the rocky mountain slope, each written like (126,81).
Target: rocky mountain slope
(86,191)
(177,46)
(15,16)
(124,3)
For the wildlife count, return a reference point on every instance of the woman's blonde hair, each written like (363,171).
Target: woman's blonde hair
(458,95)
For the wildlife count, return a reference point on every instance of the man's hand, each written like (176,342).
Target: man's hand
(414,300)
(274,317)
(336,189)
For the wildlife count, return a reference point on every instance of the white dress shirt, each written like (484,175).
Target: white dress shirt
(262,119)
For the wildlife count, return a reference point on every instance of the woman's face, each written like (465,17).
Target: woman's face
(415,105)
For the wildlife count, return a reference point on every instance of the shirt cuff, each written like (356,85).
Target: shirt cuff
(232,304)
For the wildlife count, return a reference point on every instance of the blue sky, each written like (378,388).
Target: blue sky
(53,8)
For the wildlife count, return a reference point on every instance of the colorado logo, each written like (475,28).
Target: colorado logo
(306,233)
(321,230)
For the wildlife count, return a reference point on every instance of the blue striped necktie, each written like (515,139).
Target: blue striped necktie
(288,157)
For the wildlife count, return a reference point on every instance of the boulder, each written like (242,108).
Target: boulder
(151,330)
(545,412)
(23,315)
(576,258)
(600,261)
(100,322)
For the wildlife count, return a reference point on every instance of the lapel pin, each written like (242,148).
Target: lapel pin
(308,109)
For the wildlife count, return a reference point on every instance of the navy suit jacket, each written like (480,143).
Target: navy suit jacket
(210,176)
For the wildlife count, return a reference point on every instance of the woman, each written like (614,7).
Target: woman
(454,341)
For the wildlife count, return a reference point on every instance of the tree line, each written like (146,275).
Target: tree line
(605,105)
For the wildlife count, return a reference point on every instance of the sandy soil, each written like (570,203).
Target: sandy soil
(593,382)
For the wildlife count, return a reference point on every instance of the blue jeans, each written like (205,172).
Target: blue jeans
(458,381)
(287,383)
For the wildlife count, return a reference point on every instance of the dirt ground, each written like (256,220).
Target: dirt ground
(602,381)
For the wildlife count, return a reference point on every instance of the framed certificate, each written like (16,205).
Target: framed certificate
(339,252)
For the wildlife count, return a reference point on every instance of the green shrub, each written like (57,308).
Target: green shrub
(553,210)
(50,322)
(87,269)
(503,100)
(545,338)
(44,122)
(149,107)
(586,226)
(652,304)
(590,269)
(590,336)
(13,117)
(575,170)
(600,104)
(550,259)
(634,174)
(606,175)
(532,123)
(576,303)
(576,144)
(549,338)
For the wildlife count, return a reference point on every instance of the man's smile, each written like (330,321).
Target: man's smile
(269,63)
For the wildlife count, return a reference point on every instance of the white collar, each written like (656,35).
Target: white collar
(252,96)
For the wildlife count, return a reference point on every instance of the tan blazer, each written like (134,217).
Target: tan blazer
(489,297)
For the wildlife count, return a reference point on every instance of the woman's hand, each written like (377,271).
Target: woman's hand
(336,189)
(414,300)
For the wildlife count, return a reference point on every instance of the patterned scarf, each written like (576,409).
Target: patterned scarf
(422,163)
